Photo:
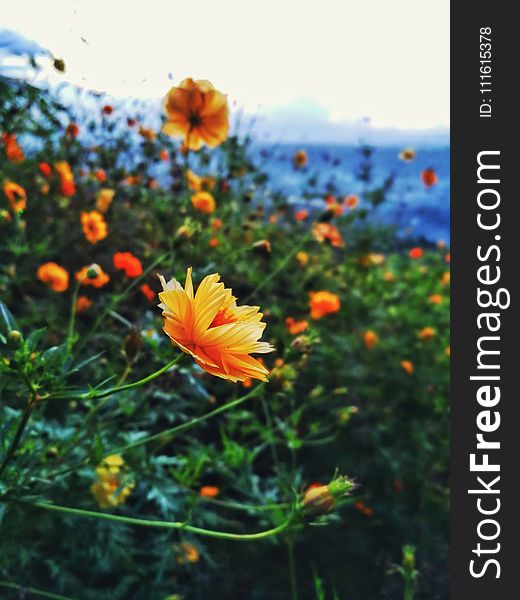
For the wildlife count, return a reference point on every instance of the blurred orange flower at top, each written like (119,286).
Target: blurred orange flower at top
(209,326)
(83,303)
(67,178)
(12,150)
(100,175)
(104,199)
(323,303)
(327,232)
(199,183)
(72,130)
(107,109)
(209,491)
(300,159)
(92,275)
(204,202)
(429,177)
(351,201)
(416,253)
(370,339)
(54,276)
(301,215)
(16,195)
(127,262)
(407,154)
(427,333)
(94,226)
(45,169)
(147,291)
(295,327)
(198,113)
(407,366)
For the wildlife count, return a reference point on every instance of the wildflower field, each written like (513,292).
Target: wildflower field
(208,391)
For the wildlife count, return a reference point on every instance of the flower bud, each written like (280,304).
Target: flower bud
(14,339)
(319,501)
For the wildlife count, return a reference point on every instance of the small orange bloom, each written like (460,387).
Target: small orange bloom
(351,201)
(366,510)
(323,303)
(147,133)
(83,303)
(164,155)
(213,242)
(54,276)
(107,109)
(100,175)
(209,491)
(216,224)
(197,112)
(416,253)
(12,150)
(16,195)
(148,292)
(327,232)
(334,207)
(435,298)
(370,339)
(127,262)
(68,187)
(190,554)
(45,169)
(295,327)
(262,247)
(92,275)
(427,333)
(94,226)
(429,177)
(407,366)
(447,351)
(104,199)
(301,215)
(407,154)
(72,130)
(388,276)
(300,159)
(302,258)
(445,279)
(199,183)
(447,258)
(204,202)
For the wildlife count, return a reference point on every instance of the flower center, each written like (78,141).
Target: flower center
(194,120)
(222,318)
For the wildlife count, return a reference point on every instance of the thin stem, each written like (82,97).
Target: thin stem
(24,589)
(292,569)
(72,320)
(124,374)
(26,415)
(246,507)
(79,512)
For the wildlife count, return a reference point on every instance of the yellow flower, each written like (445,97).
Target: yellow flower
(198,113)
(204,202)
(302,258)
(94,226)
(104,199)
(209,326)
(113,486)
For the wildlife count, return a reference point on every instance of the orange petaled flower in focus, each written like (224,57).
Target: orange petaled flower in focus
(16,195)
(351,202)
(54,276)
(300,159)
(198,113)
(104,199)
(147,291)
(427,333)
(429,177)
(94,226)
(67,187)
(128,263)
(407,366)
(209,326)
(45,169)
(301,215)
(83,303)
(203,202)
(295,327)
(12,150)
(327,232)
(323,303)
(209,491)
(92,275)
(370,339)
(416,253)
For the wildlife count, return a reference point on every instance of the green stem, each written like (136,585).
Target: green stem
(292,569)
(24,589)
(26,415)
(79,512)
(408,589)
(70,335)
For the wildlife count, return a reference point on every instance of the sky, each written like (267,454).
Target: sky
(329,63)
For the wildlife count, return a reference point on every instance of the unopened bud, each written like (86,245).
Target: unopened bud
(133,344)
(319,501)
(14,339)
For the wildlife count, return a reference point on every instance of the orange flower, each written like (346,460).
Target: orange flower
(209,326)
(322,303)
(199,183)
(447,258)
(302,258)
(147,133)
(104,199)
(366,510)
(209,491)
(301,215)
(300,159)
(12,150)
(295,327)
(334,207)
(435,298)
(351,202)
(107,109)
(407,154)
(388,276)
(147,291)
(416,253)
(72,130)
(216,224)
(100,175)
(16,195)
(407,366)
(447,351)
(54,276)
(190,554)
(262,247)
(128,263)
(94,226)
(92,275)
(327,232)
(445,279)
(429,177)
(68,187)
(83,303)
(213,242)
(164,155)
(370,339)
(204,202)
(197,112)
(45,169)
(427,333)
